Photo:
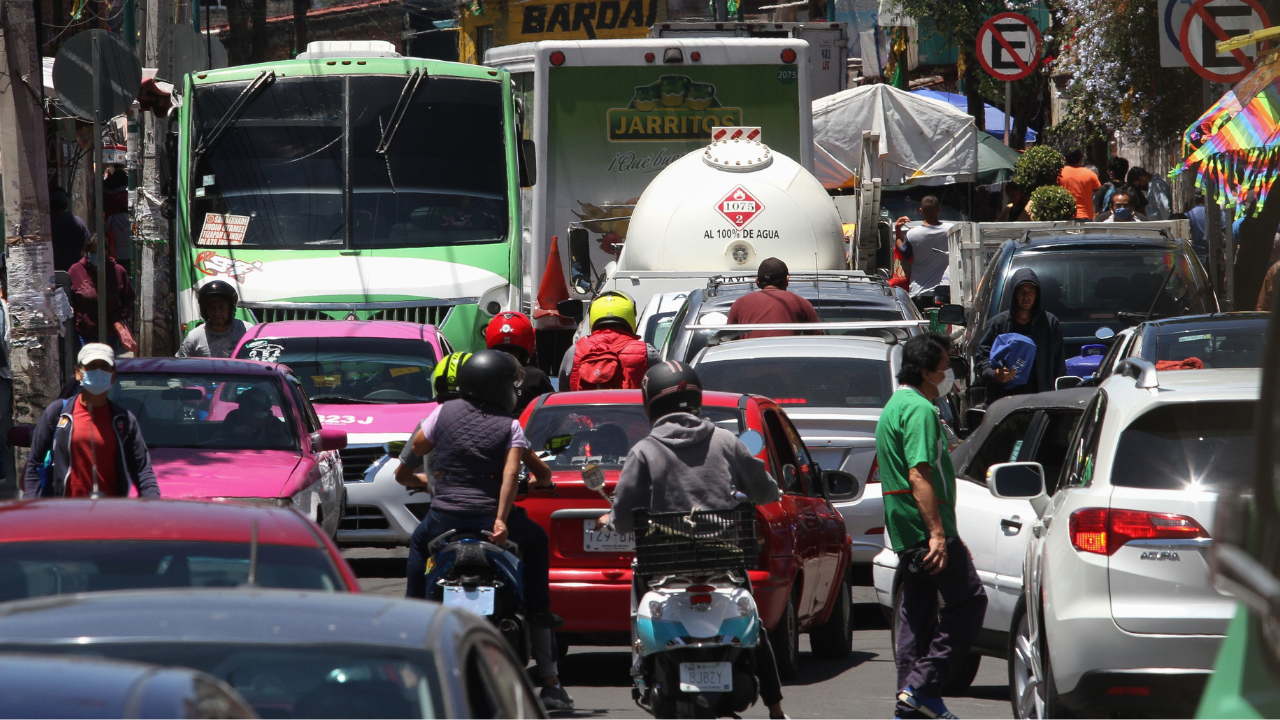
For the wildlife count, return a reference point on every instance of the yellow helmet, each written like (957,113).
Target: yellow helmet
(616,306)
(445,377)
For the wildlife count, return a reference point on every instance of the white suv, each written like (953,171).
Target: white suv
(1119,613)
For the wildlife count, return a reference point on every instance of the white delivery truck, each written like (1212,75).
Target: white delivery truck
(607,116)
(828,45)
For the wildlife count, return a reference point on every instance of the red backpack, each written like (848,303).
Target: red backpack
(601,369)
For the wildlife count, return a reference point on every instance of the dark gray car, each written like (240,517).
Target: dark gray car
(293,654)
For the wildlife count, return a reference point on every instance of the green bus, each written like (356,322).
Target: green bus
(352,182)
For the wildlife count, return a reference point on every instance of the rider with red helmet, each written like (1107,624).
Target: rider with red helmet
(512,333)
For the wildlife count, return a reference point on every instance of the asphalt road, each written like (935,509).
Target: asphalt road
(860,686)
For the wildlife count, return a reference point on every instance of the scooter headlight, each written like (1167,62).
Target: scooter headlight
(744,606)
(655,609)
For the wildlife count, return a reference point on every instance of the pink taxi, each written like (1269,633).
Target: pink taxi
(372,379)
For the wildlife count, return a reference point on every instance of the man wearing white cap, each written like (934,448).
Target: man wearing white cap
(86,445)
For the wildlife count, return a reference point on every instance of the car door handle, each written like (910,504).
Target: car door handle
(1013,524)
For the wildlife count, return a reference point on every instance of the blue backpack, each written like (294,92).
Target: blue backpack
(1012,350)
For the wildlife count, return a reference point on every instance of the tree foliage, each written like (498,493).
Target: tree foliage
(1038,167)
(1051,202)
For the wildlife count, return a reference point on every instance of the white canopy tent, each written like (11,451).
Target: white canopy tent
(922,141)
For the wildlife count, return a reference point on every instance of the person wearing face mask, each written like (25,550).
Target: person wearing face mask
(1025,317)
(86,445)
(919,488)
(1123,208)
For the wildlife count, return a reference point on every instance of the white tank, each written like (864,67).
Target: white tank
(729,207)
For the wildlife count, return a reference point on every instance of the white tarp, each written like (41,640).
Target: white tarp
(922,141)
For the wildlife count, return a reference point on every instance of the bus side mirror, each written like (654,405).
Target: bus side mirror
(528,161)
(572,309)
(951,315)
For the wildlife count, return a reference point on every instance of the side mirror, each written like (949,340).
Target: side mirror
(1104,332)
(20,435)
(753,440)
(1066,382)
(952,315)
(573,309)
(580,260)
(973,418)
(329,439)
(557,444)
(593,477)
(1019,481)
(528,161)
(394,447)
(840,486)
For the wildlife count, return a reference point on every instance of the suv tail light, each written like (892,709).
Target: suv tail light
(1104,531)
(874,475)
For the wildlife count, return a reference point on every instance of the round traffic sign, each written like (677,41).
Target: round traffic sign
(1009,46)
(1209,22)
(119,73)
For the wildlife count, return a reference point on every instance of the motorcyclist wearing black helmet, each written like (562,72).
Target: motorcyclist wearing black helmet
(220,332)
(687,463)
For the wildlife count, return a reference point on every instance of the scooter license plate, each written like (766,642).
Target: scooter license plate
(605,540)
(478,600)
(706,677)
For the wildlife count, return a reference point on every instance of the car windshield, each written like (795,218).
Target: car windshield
(35,569)
(213,412)
(1187,446)
(603,434)
(278,178)
(279,681)
(1222,345)
(1097,286)
(352,370)
(816,381)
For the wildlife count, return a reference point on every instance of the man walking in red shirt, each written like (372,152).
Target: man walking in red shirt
(773,304)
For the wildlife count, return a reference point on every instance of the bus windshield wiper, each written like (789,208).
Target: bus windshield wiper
(402,106)
(265,78)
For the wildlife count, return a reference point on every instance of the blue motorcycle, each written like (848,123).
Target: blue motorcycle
(466,570)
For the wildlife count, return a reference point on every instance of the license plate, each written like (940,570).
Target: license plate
(605,540)
(706,677)
(478,600)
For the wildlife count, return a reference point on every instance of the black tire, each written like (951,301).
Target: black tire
(562,647)
(785,640)
(833,639)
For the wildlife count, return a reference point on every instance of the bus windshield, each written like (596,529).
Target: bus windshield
(280,175)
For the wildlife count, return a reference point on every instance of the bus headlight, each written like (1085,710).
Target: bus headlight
(495,300)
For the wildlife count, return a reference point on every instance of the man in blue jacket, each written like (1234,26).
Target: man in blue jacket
(86,445)
(1024,317)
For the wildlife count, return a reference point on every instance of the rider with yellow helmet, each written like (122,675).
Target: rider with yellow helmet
(612,356)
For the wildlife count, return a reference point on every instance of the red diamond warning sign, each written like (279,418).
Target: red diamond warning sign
(739,207)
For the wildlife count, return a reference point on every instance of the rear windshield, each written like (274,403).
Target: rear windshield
(603,434)
(1222,346)
(822,382)
(215,412)
(352,370)
(1188,446)
(279,681)
(35,569)
(1097,286)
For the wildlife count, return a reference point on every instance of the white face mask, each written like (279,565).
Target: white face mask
(948,380)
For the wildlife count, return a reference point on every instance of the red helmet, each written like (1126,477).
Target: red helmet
(510,328)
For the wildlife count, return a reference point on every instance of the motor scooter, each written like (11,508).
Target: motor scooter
(694,624)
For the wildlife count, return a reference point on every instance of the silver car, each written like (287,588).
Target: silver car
(833,389)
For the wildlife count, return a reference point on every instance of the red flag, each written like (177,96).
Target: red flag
(553,288)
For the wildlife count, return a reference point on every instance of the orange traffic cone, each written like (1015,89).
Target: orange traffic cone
(553,288)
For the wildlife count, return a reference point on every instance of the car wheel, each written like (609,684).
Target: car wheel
(834,638)
(785,640)
(562,647)
(1026,689)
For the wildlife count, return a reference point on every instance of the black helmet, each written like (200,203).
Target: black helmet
(217,289)
(671,387)
(491,376)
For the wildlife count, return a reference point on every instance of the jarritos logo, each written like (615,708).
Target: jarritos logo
(674,108)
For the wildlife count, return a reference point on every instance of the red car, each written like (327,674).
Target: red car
(802,583)
(63,546)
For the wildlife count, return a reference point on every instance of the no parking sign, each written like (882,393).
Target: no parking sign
(1209,22)
(1009,46)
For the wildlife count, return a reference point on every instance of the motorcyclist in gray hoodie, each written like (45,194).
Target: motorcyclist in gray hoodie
(687,463)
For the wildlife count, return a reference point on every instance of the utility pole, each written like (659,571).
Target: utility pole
(155,272)
(34,357)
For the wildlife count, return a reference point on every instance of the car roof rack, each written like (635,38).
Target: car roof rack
(799,278)
(1140,370)
(1096,229)
(891,331)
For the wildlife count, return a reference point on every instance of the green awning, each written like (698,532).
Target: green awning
(995,160)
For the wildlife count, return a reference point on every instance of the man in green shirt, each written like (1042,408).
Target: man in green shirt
(919,487)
